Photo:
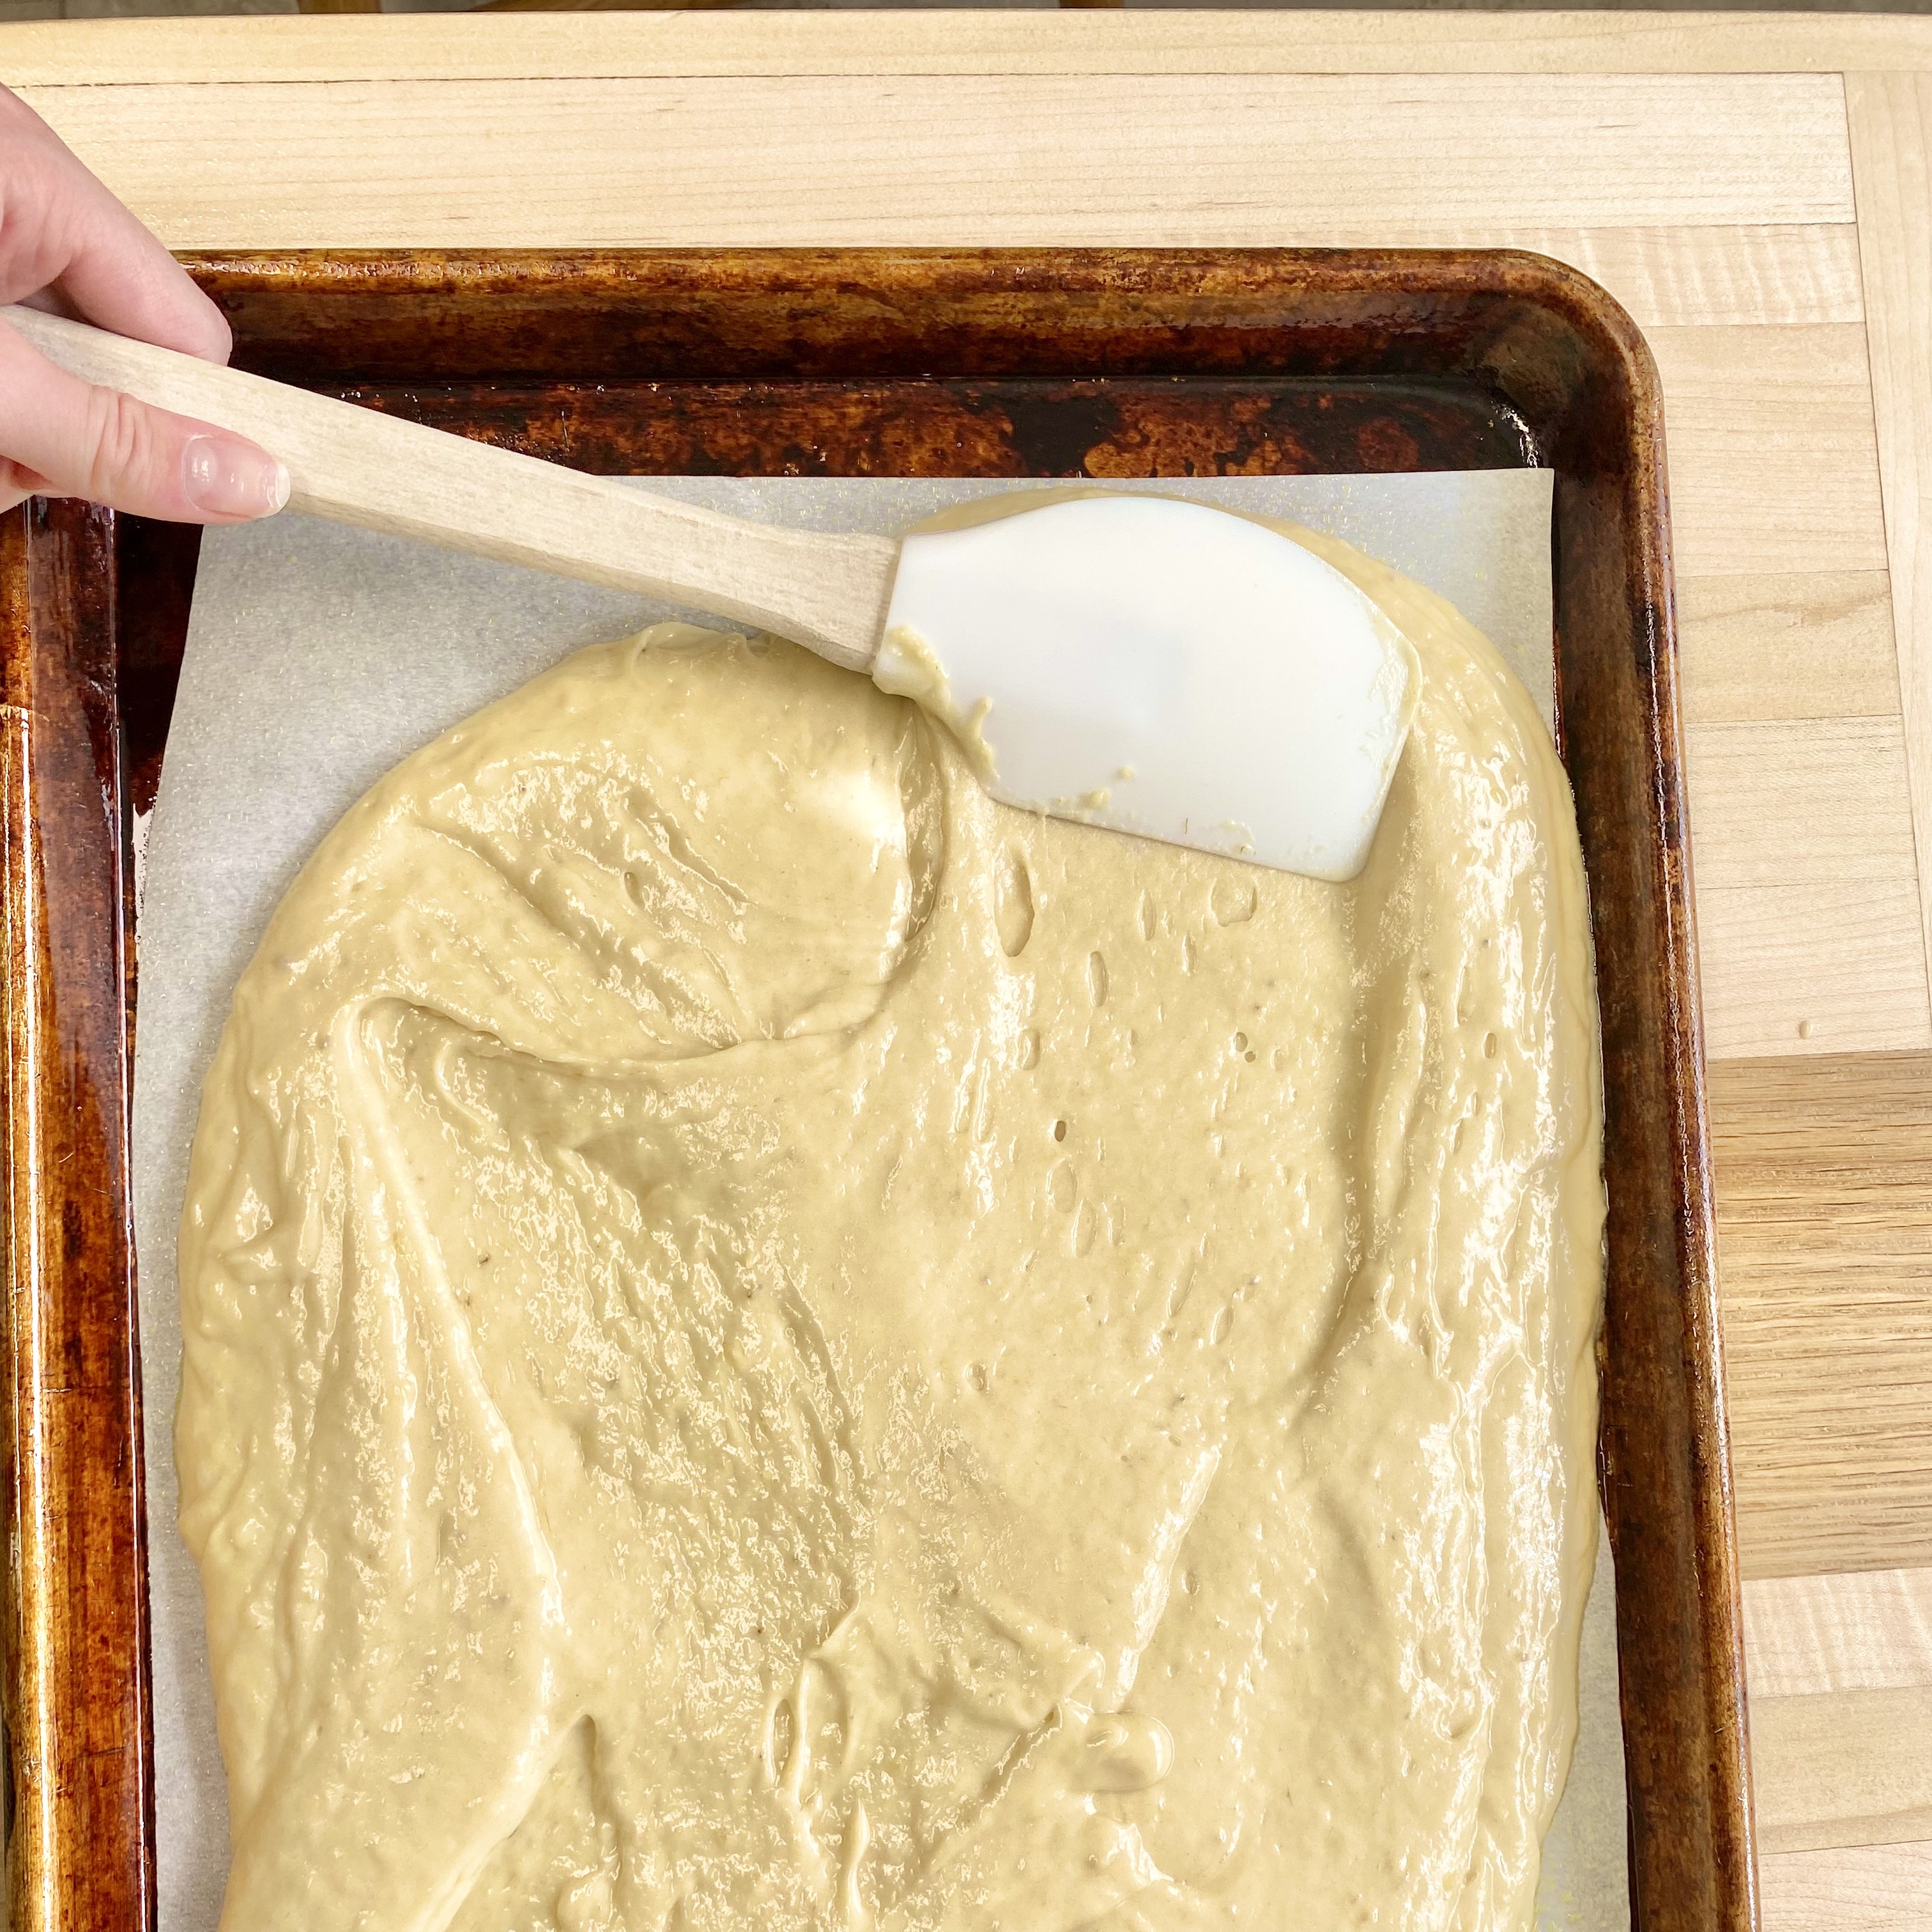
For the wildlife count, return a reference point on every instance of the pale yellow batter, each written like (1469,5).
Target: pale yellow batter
(773,1344)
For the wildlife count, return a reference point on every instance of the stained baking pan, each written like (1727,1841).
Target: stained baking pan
(854,363)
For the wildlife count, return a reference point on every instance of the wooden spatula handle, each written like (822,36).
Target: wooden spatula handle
(352,464)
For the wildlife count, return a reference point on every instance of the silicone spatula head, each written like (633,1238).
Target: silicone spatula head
(1163,668)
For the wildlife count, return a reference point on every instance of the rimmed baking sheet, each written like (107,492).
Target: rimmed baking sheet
(319,656)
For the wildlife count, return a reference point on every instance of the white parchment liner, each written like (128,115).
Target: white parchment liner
(318,657)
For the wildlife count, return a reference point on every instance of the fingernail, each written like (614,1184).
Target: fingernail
(225,477)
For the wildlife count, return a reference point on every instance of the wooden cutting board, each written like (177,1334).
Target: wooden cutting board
(1756,189)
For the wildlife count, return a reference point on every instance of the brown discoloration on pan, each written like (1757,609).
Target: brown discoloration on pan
(75,1629)
(1102,363)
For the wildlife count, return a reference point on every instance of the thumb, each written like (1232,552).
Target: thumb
(60,436)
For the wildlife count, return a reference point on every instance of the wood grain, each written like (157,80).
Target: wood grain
(1867,1889)
(1889,122)
(1842,1768)
(1841,1669)
(1288,160)
(1774,466)
(1777,803)
(1774,960)
(1790,818)
(1786,646)
(508,47)
(1806,1637)
(1823,1171)
(1682,278)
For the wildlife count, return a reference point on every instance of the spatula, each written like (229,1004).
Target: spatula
(1160,667)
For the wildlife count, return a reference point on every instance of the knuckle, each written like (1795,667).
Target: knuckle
(119,441)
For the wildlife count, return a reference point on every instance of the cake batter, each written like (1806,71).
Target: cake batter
(769,1340)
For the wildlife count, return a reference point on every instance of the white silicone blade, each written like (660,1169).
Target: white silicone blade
(1163,668)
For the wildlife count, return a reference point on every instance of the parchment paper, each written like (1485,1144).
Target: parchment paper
(318,657)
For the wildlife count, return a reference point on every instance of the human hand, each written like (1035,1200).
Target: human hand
(68,245)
